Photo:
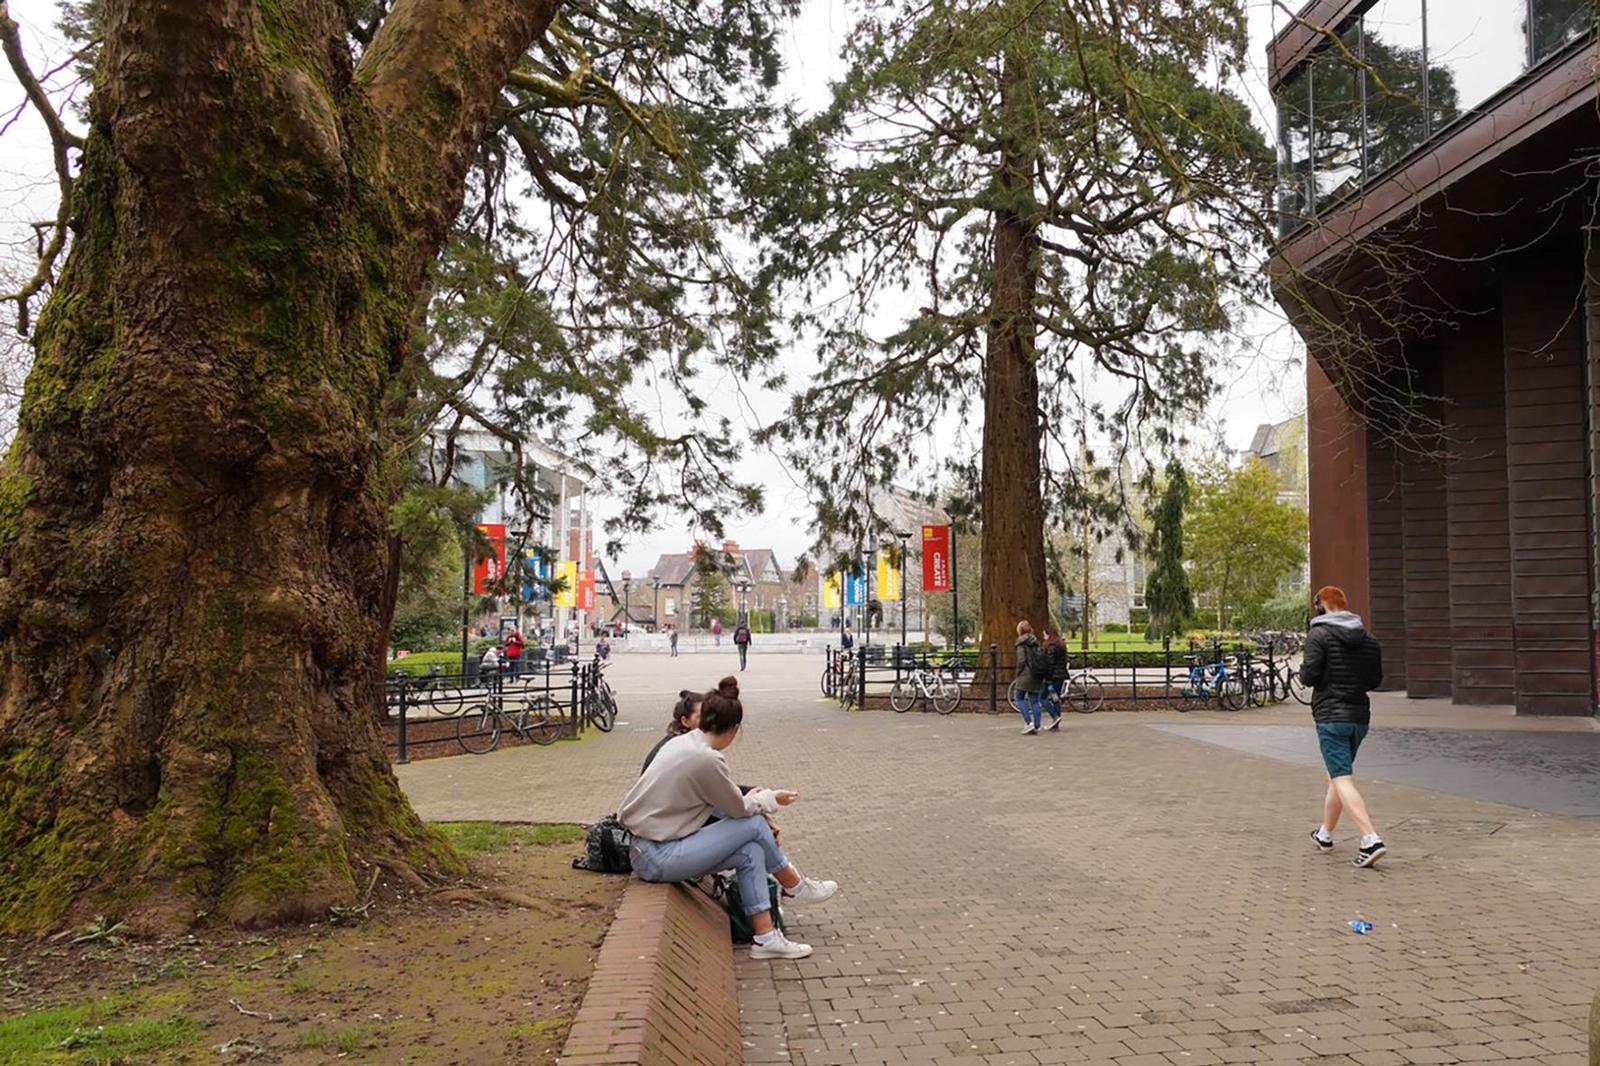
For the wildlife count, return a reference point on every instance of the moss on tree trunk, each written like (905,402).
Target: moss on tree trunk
(192,523)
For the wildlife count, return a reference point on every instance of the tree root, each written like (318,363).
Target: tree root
(488,895)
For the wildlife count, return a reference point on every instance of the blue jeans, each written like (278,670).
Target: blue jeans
(1032,706)
(745,844)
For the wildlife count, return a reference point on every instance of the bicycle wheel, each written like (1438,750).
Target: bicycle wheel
(541,721)
(1301,694)
(1231,692)
(829,680)
(449,700)
(1085,694)
(478,731)
(902,696)
(605,709)
(944,694)
(1011,697)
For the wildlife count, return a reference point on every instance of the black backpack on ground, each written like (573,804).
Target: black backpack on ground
(605,850)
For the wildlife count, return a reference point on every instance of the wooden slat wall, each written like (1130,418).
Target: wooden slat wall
(1483,664)
(1426,550)
(1386,572)
(1592,347)
(1549,510)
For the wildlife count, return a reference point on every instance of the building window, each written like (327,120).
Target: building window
(1400,73)
(670,606)
(1336,123)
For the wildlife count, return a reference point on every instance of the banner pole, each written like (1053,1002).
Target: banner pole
(955,597)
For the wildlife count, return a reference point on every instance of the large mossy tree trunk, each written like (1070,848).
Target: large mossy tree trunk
(1014,582)
(192,521)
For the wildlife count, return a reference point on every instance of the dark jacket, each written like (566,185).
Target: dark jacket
(1343,663)
(1028,678)
(1056,656)
(741,635)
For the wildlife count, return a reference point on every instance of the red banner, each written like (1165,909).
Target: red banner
(486,573)
(586,590)
(935,558)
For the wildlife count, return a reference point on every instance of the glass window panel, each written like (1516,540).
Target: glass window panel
(1392,61)
(1557,23)
(1294,150)
(1475,48)
(1336,127)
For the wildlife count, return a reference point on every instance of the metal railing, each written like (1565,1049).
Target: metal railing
(568,690)
(1185,676)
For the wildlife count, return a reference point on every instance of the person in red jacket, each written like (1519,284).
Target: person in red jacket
(513,644)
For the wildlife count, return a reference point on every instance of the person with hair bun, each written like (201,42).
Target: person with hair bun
(685,785)
(685,716)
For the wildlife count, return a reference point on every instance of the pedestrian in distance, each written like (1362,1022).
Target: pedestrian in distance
(672,642)
(667,808)
(1058,667)
(741,640)
(716,632)
(1032,673)
(1343,663)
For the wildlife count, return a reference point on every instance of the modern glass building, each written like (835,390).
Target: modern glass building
(1437,203)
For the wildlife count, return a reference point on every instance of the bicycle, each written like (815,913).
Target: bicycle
(1083,693)
(445,698)
(479,730)
(928,685)
(602,710)
(1210,681)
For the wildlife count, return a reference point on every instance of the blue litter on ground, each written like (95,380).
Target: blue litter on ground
(1359,926)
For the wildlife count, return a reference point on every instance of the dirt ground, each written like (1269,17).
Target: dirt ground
(422,977)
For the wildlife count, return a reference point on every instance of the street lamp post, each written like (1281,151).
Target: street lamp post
(627,603)
(904,537)
(655,602)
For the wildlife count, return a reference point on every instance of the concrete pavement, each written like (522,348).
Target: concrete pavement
(1118,893)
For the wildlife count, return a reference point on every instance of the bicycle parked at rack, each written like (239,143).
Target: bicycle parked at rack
(1211,681)
(431,691)
(479,730)
(1082,692)
(602,712)
(930,686)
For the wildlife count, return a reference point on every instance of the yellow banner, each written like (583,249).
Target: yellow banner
(830,590)
(888,577)
(567,574)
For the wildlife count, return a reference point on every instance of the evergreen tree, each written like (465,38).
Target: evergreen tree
(1166,591)
(708,597)
(1064,192)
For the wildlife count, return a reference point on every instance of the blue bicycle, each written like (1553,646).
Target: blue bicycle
(1211,682)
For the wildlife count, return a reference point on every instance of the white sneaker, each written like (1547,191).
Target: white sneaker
(1029,731)
(810,890)
(780,947)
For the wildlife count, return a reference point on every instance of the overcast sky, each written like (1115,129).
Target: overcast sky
(1258,390)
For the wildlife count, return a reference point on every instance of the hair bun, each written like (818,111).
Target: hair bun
(729,687)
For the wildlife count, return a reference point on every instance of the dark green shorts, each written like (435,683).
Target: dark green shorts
(1340,741)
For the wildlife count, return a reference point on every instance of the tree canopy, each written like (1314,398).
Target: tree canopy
(1242,540)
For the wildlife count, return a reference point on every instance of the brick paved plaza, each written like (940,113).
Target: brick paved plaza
(1125,891)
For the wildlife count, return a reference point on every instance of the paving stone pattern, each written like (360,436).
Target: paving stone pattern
(1109,894)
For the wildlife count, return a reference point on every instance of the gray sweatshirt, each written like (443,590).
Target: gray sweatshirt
(684,785)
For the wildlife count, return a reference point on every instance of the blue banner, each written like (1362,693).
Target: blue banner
(534,569)
(855,590)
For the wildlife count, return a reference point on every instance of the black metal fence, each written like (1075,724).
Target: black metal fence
(1225,675)
(475,712)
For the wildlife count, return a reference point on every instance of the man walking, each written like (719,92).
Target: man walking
(716,632)
(672,641)
(1343,663)
(741,640)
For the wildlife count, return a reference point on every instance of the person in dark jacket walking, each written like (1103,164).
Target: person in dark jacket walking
(1032,673)
(1343,662)
(1058,663)
(741,640)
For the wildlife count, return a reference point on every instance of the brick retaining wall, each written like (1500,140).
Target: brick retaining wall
(663,991)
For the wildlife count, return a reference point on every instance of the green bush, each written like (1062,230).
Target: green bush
(423,663)
(1114,627)
(1138,619)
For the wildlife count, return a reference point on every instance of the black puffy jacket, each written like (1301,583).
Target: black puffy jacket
(1056,655)
(1343,663)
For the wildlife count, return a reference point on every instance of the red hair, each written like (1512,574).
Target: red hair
(1332,597)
